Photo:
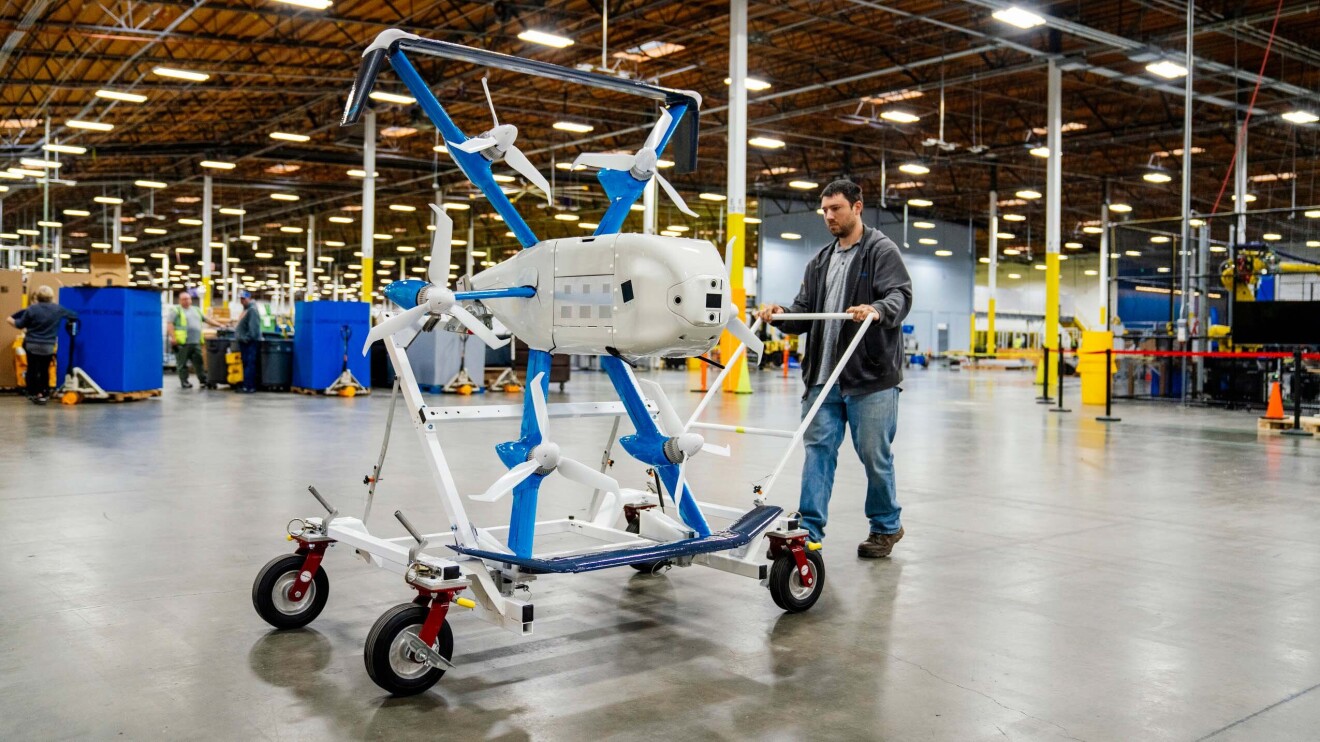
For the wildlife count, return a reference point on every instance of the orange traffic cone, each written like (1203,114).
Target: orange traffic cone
(1275,409)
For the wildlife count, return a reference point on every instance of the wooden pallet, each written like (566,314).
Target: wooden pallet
(321,392)
(1311,424)
(127,396)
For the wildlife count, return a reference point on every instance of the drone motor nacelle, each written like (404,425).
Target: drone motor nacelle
(630,294)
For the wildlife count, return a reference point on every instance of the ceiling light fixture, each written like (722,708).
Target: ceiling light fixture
(573,126)
(1028,195)
(64,149)
(545,39)
(125,97)
(766,142)
(77,212)
(913,168)
(1120,208)
(753,84)
(384,97)
(920,203)
(285,136)
(111,200)
(1167,69)
(1300,117)
(900,117)
(803,185)
(150,184)
(217,165)
(179,74)
(88,125)
(712,197)
(1015,16)
(284,196)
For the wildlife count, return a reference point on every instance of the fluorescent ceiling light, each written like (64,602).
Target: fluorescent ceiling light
(57,225)
(751,220)
(217,165)
(1092,230)
(29,232)
(190,222)
(402,207)
(900,117)
(21,171)
(1005,235)
(65,149)
(1015,16)
(294,230)
(155,230)
(284,196)
(1312,214)
(1157,177)
(923,225)
(803,185)
(920,203)
(1132,253)
(637,207)
(664,163)
(1167,69)
(383,97)
(1301,117)
(712,197)
(1120,208)
(1250,197)
(333,243)
(1040,266)
(285,136)
(382,237)
(360,173)
(342,219)
(928,241)
(10,176)
(125,97)
(789,236)
(397,132)
(77,212)
(501,178)
(1073,245)
(108,200)
(1159,239)
(1271,236)
(127,238)
(566,217)
(913,168)
(573,126)
(943,253)
(1041,151)
(179,74)
(88,125)
(232,211)
(455,206)
(442,149)
(1015,217)
(766,142)
(545,39)
(312,4)
(150,184)
(753,84)
(43,164)
(1029,195)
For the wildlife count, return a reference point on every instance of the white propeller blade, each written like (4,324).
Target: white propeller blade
(442,246)
(394,324)
(740,330)
(670,422)
(538,405)
(682,480)
(486,87)
(475,144)
(607,160)
(728,257)
(512,478)
(586,476)
(524,167)
(717,450)
(658,131)
(673,195)
(476,326)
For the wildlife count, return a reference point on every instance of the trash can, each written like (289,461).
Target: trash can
(276,365)
(382,370)
(217,368)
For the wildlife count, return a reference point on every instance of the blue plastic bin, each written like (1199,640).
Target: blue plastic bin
(121,337)
(318,345)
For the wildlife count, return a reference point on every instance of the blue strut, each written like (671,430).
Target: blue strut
(522,520)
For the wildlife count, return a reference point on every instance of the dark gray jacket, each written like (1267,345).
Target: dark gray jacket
(877,277)
(42,320)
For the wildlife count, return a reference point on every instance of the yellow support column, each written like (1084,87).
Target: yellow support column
(206,295)
(991,344)
(737,380)
(366,280)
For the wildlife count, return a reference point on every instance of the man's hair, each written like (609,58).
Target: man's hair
(45,294)
(843,187)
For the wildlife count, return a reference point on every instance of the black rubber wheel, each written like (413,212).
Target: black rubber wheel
(270,598)
(389,661)
(786,584)
(649,568)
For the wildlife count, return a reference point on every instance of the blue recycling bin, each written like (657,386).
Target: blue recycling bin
(120,340)
(318,342)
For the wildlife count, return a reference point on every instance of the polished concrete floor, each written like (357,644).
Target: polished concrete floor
(1155,579)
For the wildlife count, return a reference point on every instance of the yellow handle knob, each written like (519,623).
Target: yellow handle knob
(466,602)
(814,546)
(288,537)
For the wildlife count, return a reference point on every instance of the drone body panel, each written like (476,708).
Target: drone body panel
(637,295)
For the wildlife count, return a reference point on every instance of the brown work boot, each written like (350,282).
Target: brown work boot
(878,545)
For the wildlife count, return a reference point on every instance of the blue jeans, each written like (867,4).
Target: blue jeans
(249,349)
(873,419)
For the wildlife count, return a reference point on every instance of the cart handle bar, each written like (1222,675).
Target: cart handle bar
(810,316)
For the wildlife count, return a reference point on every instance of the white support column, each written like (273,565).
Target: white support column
(992,275)
(59,247)
(471,237)
(1240,186)
(224,270)
(1053,204)
(311,256)
(1104,261)
(116,230)
(207,208)
(368,204)
(1185,238)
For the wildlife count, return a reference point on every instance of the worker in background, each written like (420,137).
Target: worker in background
(41,325)
(248,335)
(186,338)
(862,273)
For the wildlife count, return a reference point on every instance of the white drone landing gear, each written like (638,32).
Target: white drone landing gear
(347,384)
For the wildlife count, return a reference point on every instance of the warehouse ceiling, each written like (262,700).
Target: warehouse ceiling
(837,72)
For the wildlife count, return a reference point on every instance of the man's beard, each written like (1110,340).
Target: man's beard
(840,229)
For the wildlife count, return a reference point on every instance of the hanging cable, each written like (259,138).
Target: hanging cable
(1250,107)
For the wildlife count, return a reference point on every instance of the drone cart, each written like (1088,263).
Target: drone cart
(609,294)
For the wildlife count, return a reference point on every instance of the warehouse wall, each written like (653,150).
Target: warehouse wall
(942,286)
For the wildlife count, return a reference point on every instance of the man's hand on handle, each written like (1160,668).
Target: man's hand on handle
(767,311)
(862,311)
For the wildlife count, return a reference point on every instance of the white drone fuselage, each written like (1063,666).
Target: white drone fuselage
(630,294)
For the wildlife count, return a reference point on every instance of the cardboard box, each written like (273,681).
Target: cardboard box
(11,300)
(108,269)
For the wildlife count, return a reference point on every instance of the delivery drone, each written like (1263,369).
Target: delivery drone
(615,295)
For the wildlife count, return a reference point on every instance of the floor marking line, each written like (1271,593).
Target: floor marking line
(1221,730)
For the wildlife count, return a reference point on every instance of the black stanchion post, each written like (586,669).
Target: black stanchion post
(1044,397)
(1108,417)
(1060,408)
(1297,429)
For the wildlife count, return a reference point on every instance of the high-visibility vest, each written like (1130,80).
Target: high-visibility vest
(180,326)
